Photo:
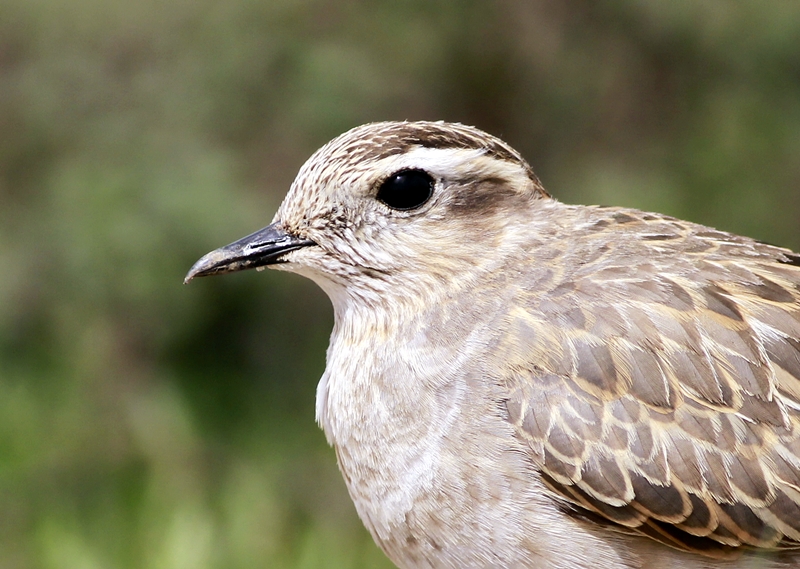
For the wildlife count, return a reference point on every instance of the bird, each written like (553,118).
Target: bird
(517,382)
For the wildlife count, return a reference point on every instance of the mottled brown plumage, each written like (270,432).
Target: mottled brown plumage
(515,382)
(666,402)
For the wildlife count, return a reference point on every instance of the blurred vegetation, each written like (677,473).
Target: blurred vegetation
(148,424)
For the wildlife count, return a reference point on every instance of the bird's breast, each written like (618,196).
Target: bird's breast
(388,423)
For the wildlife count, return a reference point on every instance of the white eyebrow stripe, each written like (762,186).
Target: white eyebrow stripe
(443,162)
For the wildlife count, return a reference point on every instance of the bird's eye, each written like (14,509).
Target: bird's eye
(406,189)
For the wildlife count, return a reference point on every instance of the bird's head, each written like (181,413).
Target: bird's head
(391,200)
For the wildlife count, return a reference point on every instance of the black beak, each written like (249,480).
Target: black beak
(264,247)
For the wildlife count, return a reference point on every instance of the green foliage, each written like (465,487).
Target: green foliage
(148,424)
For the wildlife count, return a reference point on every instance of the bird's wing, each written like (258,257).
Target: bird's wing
(668,403)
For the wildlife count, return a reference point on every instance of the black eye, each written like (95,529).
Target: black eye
(407,189)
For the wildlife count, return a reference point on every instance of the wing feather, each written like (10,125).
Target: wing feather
(665,400)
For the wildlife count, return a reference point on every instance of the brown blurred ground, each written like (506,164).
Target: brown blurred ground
(148,424)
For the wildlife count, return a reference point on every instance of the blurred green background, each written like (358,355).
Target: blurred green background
(147,424)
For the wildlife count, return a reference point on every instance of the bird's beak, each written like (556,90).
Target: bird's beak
(262,248)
